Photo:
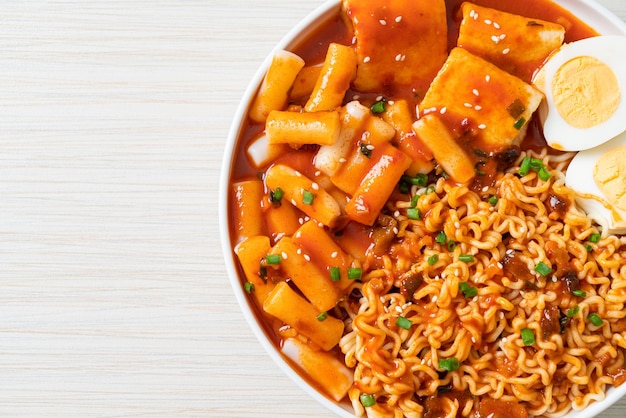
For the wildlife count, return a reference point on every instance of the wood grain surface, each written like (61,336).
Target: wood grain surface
(114,300)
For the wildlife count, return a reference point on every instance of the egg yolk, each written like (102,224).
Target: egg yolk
(586,92)
(610,176)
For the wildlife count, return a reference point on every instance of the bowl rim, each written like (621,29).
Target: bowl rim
(590,12)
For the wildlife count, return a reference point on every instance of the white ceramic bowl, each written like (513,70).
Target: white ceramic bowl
(590,12)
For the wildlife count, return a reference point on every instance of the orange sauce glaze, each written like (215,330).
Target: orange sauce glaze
(313,50)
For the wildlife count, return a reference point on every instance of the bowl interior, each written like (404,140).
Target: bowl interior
(590,12)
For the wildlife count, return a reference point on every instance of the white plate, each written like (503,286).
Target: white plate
(590,12)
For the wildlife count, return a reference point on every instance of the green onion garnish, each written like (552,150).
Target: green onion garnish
(579,293)
(354,273)
(429,189)
(449,364)
(595,238)
(519,123)
(432,260)
(466,258)
(467,290)
(588,247)
(414,213)
(544,174)
(419,179)
(378,107)
(451,246)
(307,197)
(414,200)
(367,400)
(249,287)
(595,319)
(322,316)
(403,322)
(493,200)
(571,312)
(524,167)
(528,336)
(272,259)
(276,195)
(543,269)
(441,238)
(335,274)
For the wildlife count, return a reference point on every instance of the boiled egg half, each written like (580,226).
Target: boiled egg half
(598,176)
(583,85)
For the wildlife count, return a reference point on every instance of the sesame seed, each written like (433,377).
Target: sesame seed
(500,266)
(284,255)
(293,202)
(379,98)
(443,110)
(506,51)
(456,273)
(299,251)
(318,173)
(502,36)
(485,188)
(382,22)
(503,339)
(475,299)
(370,147)
(457,225)
(487,22)
(396,214)
(487,78)
(299,233)
(321,225)
(395,230)
(496,25)
(398,57)
(342,160)
(398,19)
(467,104)
(382,299)
(300,221)
(478,107)
(495,39)
(482,126)
(475,16)
(356,97)
(472,13)
(398,309)
(353,40)
(475,92)
(366,59)
(315,186)
(307,257)
(298,174)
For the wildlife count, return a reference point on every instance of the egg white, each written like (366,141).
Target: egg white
(559,134)
(579,176)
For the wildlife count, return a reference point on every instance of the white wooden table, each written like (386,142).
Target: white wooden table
(113,295)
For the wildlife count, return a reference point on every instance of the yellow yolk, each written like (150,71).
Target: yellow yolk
(586,92)
(610,176)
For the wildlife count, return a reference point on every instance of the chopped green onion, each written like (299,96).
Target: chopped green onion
(572,312)
(544,174)
(414,213)
(579,293)
(367,400)
(588,247)
(595,238)
(528,336)
(519,123)
(493,200)
(276,195)
(432,260)
(595,319)
(365,150)
(322,316)
(335,274)
(449,364)
(466,258)
(403,322)
(543,269)
(451,246)
(441,238)
(414,200)
(272,259)
(307,197)
(354,273)
(404,187)
(524,167)
(536,164)
(378,107)
(429,189)
(419,179)
(467,290)
(477,169)
(249,287)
